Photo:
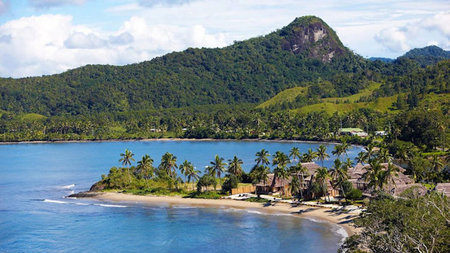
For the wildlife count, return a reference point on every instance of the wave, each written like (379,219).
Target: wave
(79,203)
(70,186)
(55,201)
(108,205)
(338,228)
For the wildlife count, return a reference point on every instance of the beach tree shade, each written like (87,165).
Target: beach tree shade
(217,166)
(169,164)
(322,154)
(260,174)
(321,177)
(262,157)
(309,156)
(235,166)
(294,154)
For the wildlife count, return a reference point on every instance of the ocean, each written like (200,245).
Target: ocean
(36,216)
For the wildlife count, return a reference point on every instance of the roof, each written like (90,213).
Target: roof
(356,174)
(420,189)
(444,188)
(279,182)
(311,167)
(351,130)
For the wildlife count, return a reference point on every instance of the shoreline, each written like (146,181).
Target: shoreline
(317,214)
(168,139)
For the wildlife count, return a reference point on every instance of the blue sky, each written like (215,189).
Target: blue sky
(39,37)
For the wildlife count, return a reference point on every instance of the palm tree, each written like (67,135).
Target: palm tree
(169,164)
(280,160)
(436,163)
(384,155)
(299,172)
(389,174)
(262,157)
(339,175)
(145,167)
(235,166)
(340,149)
(362,157)
(322,153)
(321,177)
(295,186)
(218,166)
(185,167)
(294,154)
(260,173)
(348,163)
(374,175)
(192,174)
(309,156)
(126,160)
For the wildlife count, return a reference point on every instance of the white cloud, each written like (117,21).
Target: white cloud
(126,32)
(52,3)
(394,39)
(151,3)
(50,44)
(82,40)
(433,29)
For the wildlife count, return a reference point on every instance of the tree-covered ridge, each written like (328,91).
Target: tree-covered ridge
(250,71)
(428,55)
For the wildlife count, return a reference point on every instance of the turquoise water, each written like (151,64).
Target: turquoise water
(35,216)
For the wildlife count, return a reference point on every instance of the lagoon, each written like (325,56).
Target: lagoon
(35,216)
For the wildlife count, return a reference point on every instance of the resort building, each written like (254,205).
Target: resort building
(401,182)
(353,132)
(281,186)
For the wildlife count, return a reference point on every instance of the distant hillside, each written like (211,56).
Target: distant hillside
(428,55)
(383,59)
(250,71)
(427,86)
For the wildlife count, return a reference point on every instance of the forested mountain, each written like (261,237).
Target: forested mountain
(250,71)
(428,55)
(298,82)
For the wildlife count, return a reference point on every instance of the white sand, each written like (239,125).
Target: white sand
(341,219)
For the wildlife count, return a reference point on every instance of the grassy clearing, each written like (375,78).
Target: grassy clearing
(381,104)
(353,98)
(288,95)
(32,117)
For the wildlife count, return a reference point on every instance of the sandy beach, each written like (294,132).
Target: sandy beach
(323,214)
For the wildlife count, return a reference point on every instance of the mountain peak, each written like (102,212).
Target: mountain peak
(311,36)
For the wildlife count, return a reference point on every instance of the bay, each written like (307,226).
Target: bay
(35,216)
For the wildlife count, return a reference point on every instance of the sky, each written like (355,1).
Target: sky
(42,37)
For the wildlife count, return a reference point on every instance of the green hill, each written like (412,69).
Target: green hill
(250,71)
(427,56)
